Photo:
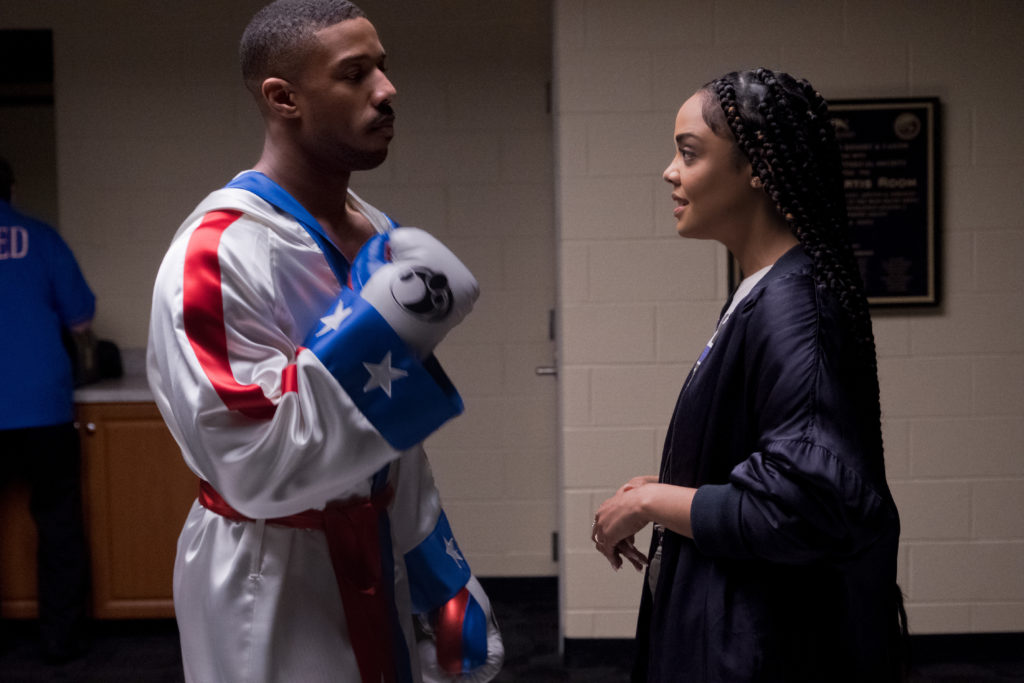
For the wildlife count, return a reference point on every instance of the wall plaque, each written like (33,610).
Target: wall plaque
(890,162)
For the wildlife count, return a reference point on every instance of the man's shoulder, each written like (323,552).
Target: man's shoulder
(11,216)
(243,212)
(237,200)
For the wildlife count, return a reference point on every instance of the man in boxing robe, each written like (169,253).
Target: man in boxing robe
(290,354)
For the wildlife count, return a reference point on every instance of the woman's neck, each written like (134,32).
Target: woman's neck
(763,246)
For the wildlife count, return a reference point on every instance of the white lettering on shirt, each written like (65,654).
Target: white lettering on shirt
(13,242)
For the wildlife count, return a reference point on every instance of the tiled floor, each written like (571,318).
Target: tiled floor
(147,651)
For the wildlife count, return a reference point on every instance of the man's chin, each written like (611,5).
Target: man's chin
(366,161)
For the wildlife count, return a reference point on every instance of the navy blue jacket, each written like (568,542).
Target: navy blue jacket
(791,573)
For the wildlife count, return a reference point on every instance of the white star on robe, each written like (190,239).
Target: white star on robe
(332,321)
(381,375)
(453,551)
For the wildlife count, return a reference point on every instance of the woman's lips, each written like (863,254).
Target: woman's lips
(680,205)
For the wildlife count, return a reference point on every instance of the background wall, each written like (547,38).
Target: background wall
(27,142)
(637,303)
(27,139)
(151,116)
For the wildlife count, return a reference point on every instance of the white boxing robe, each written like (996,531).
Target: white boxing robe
(260,417)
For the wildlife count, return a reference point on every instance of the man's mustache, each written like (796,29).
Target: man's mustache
(385,114)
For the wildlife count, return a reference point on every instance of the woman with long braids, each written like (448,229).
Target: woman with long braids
(773,556)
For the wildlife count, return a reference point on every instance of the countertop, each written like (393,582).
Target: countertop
(127,389)
(131,387)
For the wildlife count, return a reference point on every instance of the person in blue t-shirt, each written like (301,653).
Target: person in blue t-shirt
(42,294)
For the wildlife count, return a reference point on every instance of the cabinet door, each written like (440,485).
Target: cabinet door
(17,553)
(138,492)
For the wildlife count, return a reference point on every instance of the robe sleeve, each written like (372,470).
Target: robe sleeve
(258,415)
(434,563)
(805,493)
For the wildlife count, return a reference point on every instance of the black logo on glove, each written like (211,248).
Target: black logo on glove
(423,293)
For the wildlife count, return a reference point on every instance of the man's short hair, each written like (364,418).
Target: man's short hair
(280,36)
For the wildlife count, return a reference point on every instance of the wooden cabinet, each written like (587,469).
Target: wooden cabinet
(17,554)
(137,493)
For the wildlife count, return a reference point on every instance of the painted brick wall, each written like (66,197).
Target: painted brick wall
(638,303)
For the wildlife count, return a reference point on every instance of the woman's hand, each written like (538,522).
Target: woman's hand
(637,482)
(617,521)
(640,501)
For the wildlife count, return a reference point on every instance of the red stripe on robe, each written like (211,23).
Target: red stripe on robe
(203,304)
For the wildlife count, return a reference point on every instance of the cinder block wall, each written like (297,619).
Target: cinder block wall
(638,303)
(473,163)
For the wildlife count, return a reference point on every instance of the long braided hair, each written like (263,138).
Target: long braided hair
(782,126)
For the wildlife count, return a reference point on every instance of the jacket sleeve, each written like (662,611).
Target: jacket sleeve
(264,419)
(806,492)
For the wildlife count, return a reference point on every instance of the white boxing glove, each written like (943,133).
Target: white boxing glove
(422,292)
(461,641)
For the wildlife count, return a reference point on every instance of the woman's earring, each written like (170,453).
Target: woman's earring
(755,182)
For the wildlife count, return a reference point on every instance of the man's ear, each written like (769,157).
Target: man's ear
(279,97)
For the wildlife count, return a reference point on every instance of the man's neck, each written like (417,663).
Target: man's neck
(324,197)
